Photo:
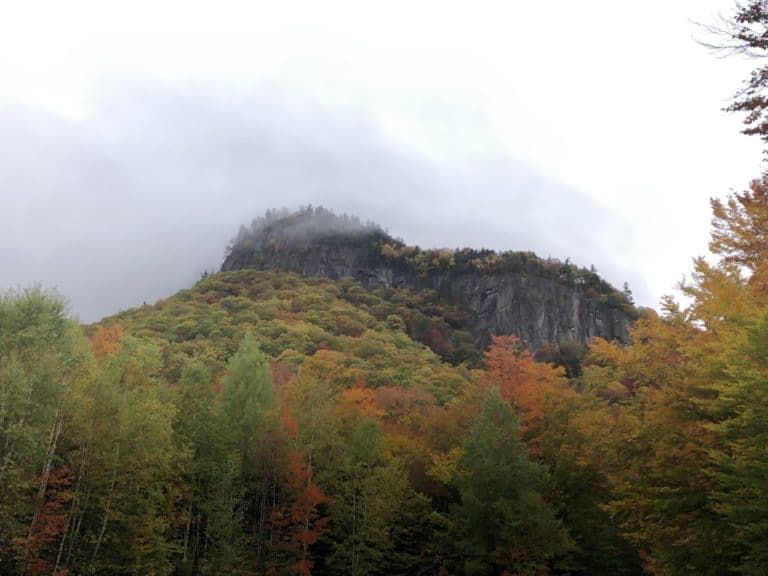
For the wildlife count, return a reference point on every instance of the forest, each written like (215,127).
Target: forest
(266,423)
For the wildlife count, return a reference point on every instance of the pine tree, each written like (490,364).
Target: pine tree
(504,522)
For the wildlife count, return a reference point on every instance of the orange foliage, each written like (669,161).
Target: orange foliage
(106,341)
(289,422)
(330,366)
(299,521)
(403,407)
(358,402)
(521,380)
(531,387)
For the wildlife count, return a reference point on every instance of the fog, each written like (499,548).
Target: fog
(137,200)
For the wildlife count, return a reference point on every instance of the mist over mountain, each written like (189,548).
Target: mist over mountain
(543,302)
(150,187)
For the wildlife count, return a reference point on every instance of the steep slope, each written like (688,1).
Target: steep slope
(292,318)
(543,302)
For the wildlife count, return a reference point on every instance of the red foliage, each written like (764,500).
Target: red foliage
(281,374)
(528,385)
(298,520)
(436,341)
(50,525)
(289,423)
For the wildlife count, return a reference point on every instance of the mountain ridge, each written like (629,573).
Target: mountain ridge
(544,302)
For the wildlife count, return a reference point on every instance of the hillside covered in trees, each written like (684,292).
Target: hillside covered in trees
(263,422)
(330,404)
(542,301)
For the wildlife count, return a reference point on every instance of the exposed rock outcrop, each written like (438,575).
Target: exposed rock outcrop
(542,302)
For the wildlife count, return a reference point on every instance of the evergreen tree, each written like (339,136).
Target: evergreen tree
(504,523)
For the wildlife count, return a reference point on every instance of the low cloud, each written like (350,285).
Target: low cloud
(136,201)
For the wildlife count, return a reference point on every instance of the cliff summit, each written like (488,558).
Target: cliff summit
(542,301)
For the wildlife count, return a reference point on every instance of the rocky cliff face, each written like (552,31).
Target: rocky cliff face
(540,310)
(316,259)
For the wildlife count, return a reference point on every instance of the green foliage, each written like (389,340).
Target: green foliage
(125,456)
(41,357)
(173,458)
(246,392)
(739,463)
(504,522)
(302,315)
(569,355)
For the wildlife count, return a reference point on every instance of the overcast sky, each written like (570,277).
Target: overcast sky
(136,137)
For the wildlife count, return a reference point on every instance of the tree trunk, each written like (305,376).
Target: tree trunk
(109,502)
(186,532)
(72,510)
(45,474)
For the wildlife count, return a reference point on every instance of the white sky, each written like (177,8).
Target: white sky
(613,99)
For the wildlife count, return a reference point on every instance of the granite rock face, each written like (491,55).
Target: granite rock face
(539,310)
(319,259)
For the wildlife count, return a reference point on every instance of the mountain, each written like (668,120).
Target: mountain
(334,412)
(544,302)
(293,318)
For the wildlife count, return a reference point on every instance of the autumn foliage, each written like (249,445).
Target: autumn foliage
(106,340)
(263,423)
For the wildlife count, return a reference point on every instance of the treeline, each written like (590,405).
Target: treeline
(287,230)
(415,261)
(111,467)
